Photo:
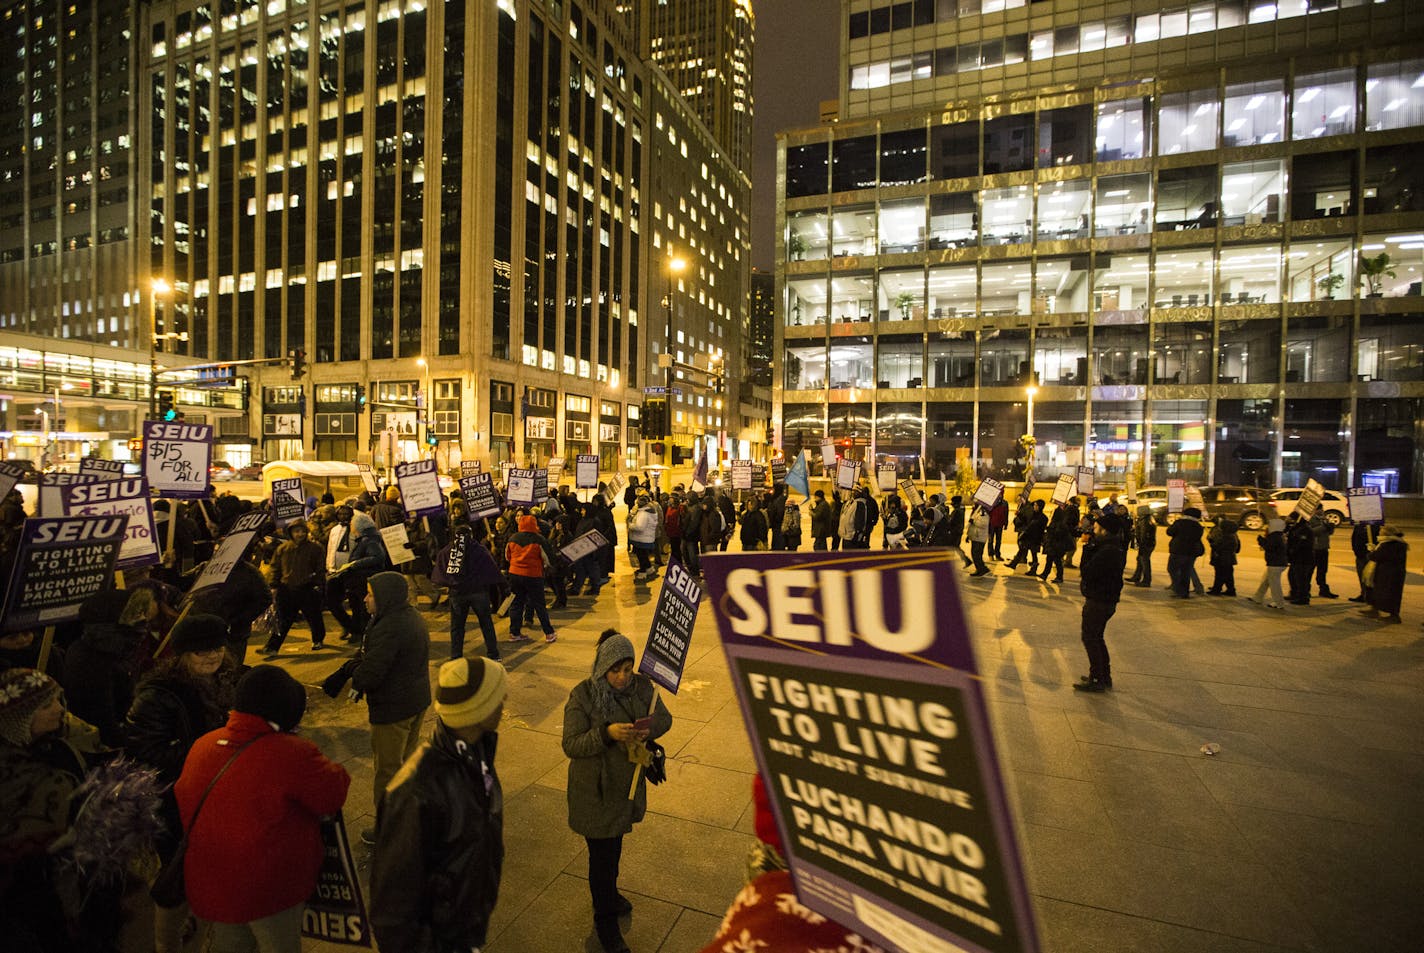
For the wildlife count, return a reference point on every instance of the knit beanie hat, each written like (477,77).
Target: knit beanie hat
(613,648)
(198,632)
(393,494)
(611,651)
(23,691)
(273,695)
(469,691)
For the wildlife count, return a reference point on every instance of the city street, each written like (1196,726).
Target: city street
(1305,832)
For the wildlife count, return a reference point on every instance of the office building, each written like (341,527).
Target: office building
(1196,234)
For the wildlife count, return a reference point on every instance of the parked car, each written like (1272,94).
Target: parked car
(1155,497)
(1335,508)
(253,471)
(220,471)
(1244,504)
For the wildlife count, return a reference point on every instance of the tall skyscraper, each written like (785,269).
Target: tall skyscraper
(1195,232)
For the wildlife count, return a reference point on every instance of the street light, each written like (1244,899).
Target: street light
(1030,390)
(423,403)
(676,265)
(156,287)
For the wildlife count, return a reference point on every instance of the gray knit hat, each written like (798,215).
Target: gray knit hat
(611,651)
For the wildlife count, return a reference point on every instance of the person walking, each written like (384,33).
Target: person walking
(977,529)
(1035,526)
(1057,540)
(1387,584)
(1273,544)
(1074,517)
(1144,535)
(1363,538)
(1100,581)
(526,554)
(896,521)
(953,523)
(1225,544)
(608,720)
(470,573)
(822,529)
(1300,550)
(998,519)
(643,536)
(343,592)
(299,567)
(439,854)
(251,797)
(393,672)
(1183,547)
(775,514)
(1322,531)
(791,526)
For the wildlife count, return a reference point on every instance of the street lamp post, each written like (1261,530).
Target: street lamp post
(156,287)
(1032,450)
(425,402)
(676,266)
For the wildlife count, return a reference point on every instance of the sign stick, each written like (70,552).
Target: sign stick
(46,646)
(187,604)
(638,769)
(172,532)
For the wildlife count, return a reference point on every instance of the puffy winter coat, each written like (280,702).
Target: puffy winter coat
(600,773)
(526,549)
(394,670)
(1100,572)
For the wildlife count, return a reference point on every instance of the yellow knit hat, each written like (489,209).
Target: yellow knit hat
(469,691)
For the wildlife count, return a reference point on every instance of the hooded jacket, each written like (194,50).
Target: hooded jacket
(526,550)
(1100,572)
(445,810)
(1185,537)
(101,667)
(368,553)
(395,660)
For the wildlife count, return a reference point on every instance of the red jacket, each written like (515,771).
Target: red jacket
(256,849)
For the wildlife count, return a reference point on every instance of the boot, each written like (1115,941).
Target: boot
(1325,593)
(609,936)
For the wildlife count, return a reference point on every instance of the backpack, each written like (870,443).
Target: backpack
(672,521)
(791,522)
(847,527)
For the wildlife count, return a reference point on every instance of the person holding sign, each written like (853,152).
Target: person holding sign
(1100,581)
(300,584)
(1387,578)
(470,572)
(607,720)
(251,796)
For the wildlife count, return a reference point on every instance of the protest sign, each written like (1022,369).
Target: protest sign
(52,487)
(1131,487)
(336,910)
(989,493)
(885,477)
(102,469)
(555,470)
(176,458)
(759,475)
(520,490)
(129,498)
(504,469)
(368,477)
(397,542)
(231,550)
(741,474)
(1194,497)
(666,652)
(778,472)
(581,546)
(1087,479)
(614,491)
(1309,500)
(10,474)
(288,507)
(1028,486)
(858,685)
(541,486)
(912,492)
(586,471)
(1366,504)
(1176,495)
(419,488)
(828,454)
(470,467)
(59,563)
(1063,489)
(481,500)
(847,474)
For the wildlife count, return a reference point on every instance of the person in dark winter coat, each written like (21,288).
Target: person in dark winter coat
(470,572)
(1322,531)
(754,527)
(239,601)
(1387,587)
(608,719)
(436,869)
(1363,538)
(1144,535)
(1100,581)
(394,674)
(1074,517)
(1273,543)
(1225,544)
(729,518)
(1035,527)
(255,849)
(300,568)
(954,521)
(998,519)
(1058,540)
(822,528)
(1183,547)
(837,508)
(604,522)
(1300,550)
(775,513)
(102,667)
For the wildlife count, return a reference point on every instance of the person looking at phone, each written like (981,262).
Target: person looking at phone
(608,719)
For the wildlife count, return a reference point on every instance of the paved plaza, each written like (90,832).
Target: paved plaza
(1306,831)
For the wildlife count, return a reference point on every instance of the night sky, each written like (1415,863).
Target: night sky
(794,67)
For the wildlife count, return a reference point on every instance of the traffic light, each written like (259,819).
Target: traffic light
(299,363)
(360,404)
(430,439)
(166,410)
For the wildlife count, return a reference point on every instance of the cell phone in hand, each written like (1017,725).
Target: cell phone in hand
(643,724)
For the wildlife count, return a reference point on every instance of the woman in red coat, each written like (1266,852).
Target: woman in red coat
(255,848)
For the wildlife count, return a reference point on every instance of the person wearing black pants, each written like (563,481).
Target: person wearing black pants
(1100,581)
(1300,550)
(1144,534)
(1362,540)
(468,569)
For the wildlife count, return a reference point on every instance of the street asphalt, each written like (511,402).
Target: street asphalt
(1304,833)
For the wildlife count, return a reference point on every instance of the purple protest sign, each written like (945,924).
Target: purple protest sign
(666,652)
(481,500)
(60,563)
(125,497)
(420,488)
(858,685)
(176,458)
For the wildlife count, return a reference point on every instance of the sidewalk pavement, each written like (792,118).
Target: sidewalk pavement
(1305,833)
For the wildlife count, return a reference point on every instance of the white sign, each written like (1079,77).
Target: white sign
(847,474)
(419,488)
(10,474)
(556,470)
(912,492)
(176,458)
(520,489)
(397,542)
(885,477)
(1309,500)
(104,470)
(52,487)
(581,546)
(1086,480)
(741,474)
(120,498)
(614,491)
(1064,489)
(989,493)
(1366,504)
(368,477)
(1176,495)
(1131,487)
(231,550)
(828,454)
(586,471)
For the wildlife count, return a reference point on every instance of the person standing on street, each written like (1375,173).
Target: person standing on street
(300,568)
(436,868)
(1387,586)
(1183,547)
(1144,535)
(466,567)
(1300,549)
(998,519)
(1322,531)
(977,529)
(1363,538)
(822,528)
(526,553)
(1273,544)
(1225,544)
(1100,581)
(608,719)
(393,672)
